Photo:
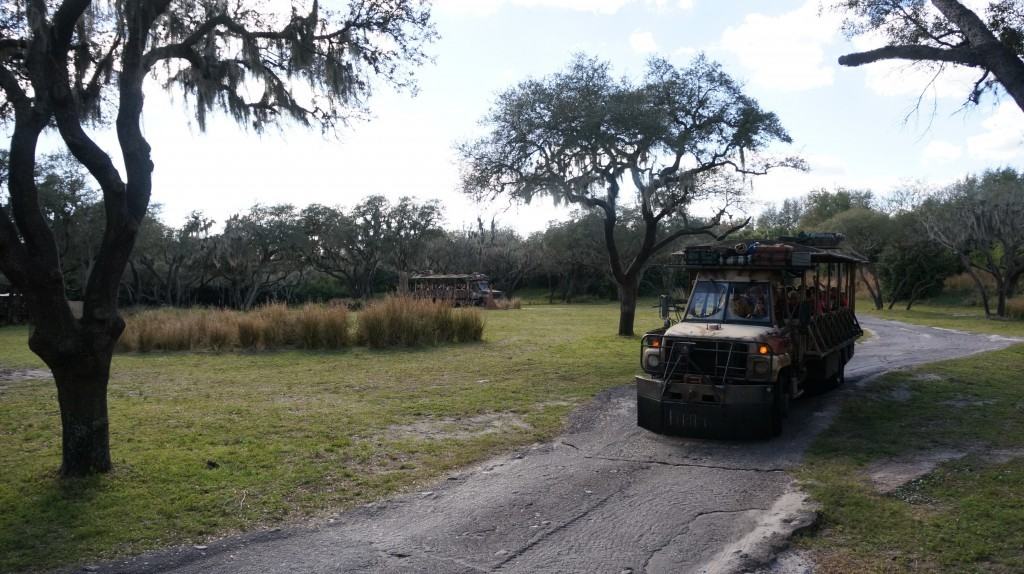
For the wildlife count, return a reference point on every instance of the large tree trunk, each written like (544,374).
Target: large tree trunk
(627,305)
(82,396)
(78,353)
(875,291)
(978,284)
(1004,293)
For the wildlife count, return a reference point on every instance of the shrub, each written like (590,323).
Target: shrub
(393,321)
(334,327)
(404,321)
(249,331)
(1015,308)
(469,325)
(509,303)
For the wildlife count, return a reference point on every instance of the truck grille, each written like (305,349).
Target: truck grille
(717,359)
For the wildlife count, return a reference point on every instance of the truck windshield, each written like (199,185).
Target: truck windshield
(729,302)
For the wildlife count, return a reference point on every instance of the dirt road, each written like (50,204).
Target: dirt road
(605,497)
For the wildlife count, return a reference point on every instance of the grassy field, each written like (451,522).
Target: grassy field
(946,316)
(206,444)
(966,515)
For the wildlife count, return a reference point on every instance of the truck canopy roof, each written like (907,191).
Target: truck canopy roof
(801,252)
(450,277)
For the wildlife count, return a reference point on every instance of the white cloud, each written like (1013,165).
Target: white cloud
(643,42)
(785,52)
(685,4)
(1003,139)
(940,151)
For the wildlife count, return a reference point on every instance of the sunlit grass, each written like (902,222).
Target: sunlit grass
(971,319)
(290,434)
(965,516)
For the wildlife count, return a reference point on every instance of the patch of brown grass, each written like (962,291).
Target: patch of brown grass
(409,322)
(272,326)
(508,303)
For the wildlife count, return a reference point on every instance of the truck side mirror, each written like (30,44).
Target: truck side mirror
(664,306)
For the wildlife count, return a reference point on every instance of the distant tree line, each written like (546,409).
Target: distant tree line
(913,240)
(320,252)
(916,237)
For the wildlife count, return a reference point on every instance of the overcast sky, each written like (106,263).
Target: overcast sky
(847,122)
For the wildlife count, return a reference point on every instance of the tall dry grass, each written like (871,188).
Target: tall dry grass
(393,321)
(272,326)
(508,303)
(1015,308)
(409,322)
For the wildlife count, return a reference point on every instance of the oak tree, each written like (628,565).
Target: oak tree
(659,146)
(66,64)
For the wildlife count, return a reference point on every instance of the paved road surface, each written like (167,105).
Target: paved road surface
(605,497)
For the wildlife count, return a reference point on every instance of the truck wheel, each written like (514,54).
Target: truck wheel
(840,378)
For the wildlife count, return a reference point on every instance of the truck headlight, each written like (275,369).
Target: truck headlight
(652,359)
(760,368)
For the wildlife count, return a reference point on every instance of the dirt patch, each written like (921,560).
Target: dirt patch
(8,377)
(966,401)
(438,428)
(791,513)
(900,394)
(1003,455)
(14,375)
(927,377)
(888,475)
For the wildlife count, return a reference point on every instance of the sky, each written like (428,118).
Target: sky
(855,126)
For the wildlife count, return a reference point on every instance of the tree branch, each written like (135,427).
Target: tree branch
(962,56)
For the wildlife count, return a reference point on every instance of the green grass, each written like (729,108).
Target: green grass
(294,434)
(965,516)
(932,314)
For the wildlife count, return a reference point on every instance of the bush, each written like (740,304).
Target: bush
(511,303)
(394,321)
(269,327)
(1015,308)
(408,322)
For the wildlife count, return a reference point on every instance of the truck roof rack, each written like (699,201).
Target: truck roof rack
(802,252)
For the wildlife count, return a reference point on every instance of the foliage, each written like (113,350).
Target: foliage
(981,220)
(580,137)
(821,205)
(776,221)
(354,246)
(915,270)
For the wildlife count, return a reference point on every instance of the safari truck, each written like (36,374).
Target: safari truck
(764,322)
(462,290)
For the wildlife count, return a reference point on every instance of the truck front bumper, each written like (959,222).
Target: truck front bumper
(704,410)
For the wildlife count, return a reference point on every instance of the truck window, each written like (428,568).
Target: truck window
(707,302)
(730,302)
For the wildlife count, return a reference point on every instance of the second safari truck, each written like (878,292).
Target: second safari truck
(765,321)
